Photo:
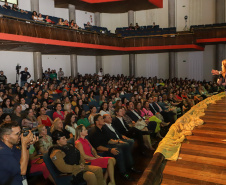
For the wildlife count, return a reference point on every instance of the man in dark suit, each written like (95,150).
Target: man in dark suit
(156,109)
(123,128)
(101,141)
(113,133)
(151,125)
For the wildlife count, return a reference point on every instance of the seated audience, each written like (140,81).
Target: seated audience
(45,141)
(82,119)
(43,119)
(90,154)
(6,6)
(58,113)
(101,141)
(34,16)
(60,154)
(58,125)
(30,120)
(70,124)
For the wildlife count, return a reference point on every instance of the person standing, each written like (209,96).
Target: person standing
(3,78)
(25,75)
(13,162)
(100,75)
(221,80)
(60,74)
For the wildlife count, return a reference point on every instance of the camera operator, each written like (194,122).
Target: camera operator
(3,78)
(25,75)
(13,161)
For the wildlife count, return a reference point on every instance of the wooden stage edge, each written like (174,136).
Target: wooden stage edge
(202,159)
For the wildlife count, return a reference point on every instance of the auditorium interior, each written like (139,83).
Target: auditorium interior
(178,41)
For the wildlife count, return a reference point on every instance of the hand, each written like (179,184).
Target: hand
(114,151)
(25,140)
(35,139)
(215,72)
(82,166)
(124,137)
(98,156)
(122,142)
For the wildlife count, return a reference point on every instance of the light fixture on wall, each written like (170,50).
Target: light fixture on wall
(186,23)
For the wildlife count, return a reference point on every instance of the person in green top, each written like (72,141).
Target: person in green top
(82,119)
(53,75)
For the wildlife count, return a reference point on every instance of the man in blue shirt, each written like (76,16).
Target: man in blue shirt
(13,161)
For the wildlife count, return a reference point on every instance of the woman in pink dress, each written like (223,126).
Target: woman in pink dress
(90,154)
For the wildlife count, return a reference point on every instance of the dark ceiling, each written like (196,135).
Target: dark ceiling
(111,7)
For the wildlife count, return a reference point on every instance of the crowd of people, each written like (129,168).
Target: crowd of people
(91,119)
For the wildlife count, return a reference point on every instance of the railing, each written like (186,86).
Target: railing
(153,173)
(59,33)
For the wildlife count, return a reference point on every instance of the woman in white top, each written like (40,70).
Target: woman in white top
(104,109)
(70,124)
(40,18)
(34,16)
(93,112)
(23,104)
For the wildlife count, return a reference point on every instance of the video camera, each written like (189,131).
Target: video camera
(25,131)
(18,67)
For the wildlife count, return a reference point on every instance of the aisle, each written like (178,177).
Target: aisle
(202,157)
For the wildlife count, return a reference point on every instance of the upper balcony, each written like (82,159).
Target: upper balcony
(21,34)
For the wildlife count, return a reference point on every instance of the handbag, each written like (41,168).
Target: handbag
(140,124)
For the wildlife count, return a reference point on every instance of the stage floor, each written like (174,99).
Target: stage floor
(202,159)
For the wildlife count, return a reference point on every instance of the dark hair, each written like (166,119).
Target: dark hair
(56,105)
(56,135)
(4,103)
(80,113)
(6,128)
(102,105)
(96,118)
(4,116)
(68,119)
(117,109)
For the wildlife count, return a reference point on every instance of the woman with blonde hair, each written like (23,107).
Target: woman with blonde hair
(58,125)
(221,80)
(90,154)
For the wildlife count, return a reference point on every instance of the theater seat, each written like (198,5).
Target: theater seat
(59,178)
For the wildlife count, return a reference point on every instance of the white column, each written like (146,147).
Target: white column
(171,21)
(35,5)
(72,15)
(132,60)
(73,57)
(131,17)
(98,58)
(97,18)
(37,61)
(132,70)
(74,66)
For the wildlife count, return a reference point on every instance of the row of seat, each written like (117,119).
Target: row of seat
(146,32)
(25,16)
(193,27)
(28,16)
(97,29)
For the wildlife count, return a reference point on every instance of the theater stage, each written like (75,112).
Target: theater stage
(202,159)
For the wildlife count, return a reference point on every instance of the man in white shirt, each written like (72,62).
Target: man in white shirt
(100,75)
(60,74)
